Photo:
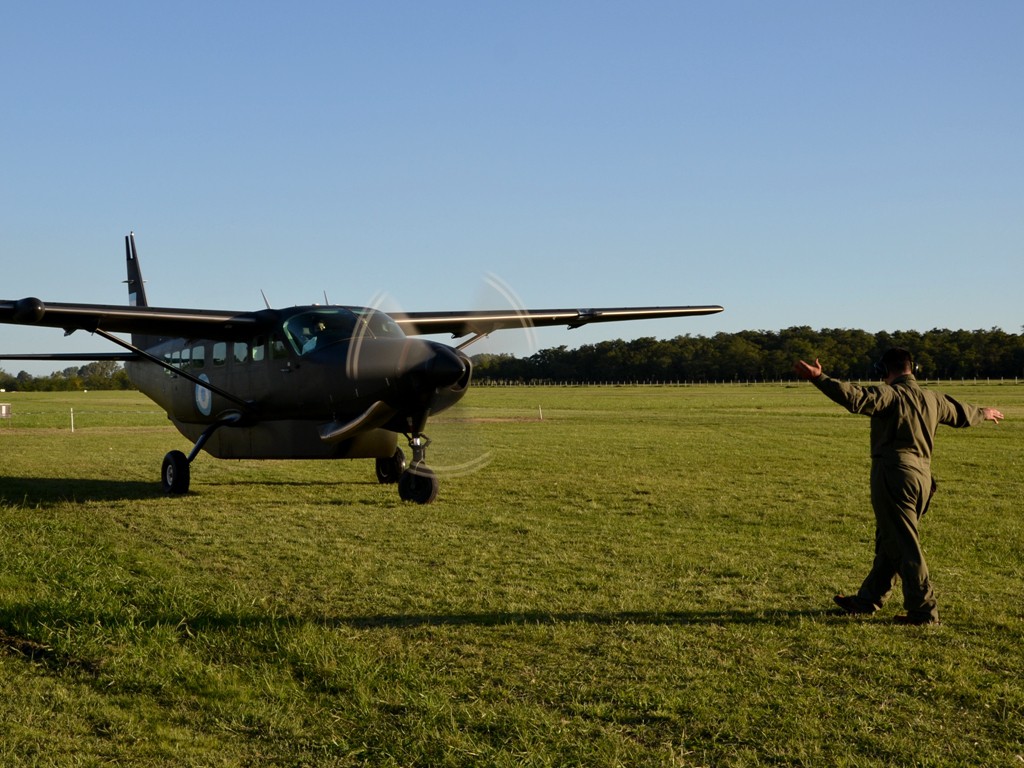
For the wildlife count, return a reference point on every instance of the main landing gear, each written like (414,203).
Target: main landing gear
(416,482)
(175,474)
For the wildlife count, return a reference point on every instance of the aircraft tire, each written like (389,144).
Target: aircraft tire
(418,484)
(175,475)
(390,470)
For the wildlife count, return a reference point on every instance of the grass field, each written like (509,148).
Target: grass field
(639,577)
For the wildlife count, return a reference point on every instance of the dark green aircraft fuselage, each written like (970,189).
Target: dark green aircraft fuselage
(313,367)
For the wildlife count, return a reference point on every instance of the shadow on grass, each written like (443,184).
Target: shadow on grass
(49,490)
(35,652)
(516,618)
(17,643)
(41,491)
(529,618)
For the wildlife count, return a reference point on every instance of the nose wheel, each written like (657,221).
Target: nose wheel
(418,483)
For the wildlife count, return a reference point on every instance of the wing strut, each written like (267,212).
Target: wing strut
(475,338)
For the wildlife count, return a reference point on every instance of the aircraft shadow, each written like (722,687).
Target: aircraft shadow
(46,491)
(53,490)
(304,483)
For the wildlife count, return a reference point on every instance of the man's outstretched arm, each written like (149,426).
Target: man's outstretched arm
(854,398)
(808,371)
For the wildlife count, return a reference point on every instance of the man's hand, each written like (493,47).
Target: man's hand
(807,371)
(991,414)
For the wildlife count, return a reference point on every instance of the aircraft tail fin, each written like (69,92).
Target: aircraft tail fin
(136,288)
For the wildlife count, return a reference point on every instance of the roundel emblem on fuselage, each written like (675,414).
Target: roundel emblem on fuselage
(204,397)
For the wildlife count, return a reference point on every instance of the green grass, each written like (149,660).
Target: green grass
(642,577)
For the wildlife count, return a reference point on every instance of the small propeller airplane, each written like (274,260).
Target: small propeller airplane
(306,382)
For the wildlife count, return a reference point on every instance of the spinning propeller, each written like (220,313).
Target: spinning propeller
(427,397)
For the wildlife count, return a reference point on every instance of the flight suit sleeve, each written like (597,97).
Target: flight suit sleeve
(953,413)
(853,397)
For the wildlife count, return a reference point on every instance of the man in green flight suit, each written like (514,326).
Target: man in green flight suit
(903,421)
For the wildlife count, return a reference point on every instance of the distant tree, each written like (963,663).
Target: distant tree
(101,375)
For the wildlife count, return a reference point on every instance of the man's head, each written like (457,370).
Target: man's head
(895,362)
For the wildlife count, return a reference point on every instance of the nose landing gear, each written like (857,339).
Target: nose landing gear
(418,483)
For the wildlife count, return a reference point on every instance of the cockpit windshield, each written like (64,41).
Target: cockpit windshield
(317,328)
(378,324)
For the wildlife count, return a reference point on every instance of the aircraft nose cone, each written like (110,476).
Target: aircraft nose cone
(446,367)
(429,368)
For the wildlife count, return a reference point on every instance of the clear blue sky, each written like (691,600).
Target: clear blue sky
(828,164)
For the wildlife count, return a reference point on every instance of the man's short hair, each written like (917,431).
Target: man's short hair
(896,360)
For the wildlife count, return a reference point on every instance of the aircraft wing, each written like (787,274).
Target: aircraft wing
(484,322)
(156,321)
(219,324)
(77,357)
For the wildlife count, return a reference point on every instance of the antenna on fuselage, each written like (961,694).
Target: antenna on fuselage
(265,301)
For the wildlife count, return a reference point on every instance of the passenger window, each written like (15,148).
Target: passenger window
(278,350)
(241,351)
(259,350)
(198,356)
(220,352)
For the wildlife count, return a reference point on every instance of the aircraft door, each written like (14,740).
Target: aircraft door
(263,373)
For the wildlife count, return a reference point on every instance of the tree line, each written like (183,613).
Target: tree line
(101,375)
(762,356)
(743,356)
